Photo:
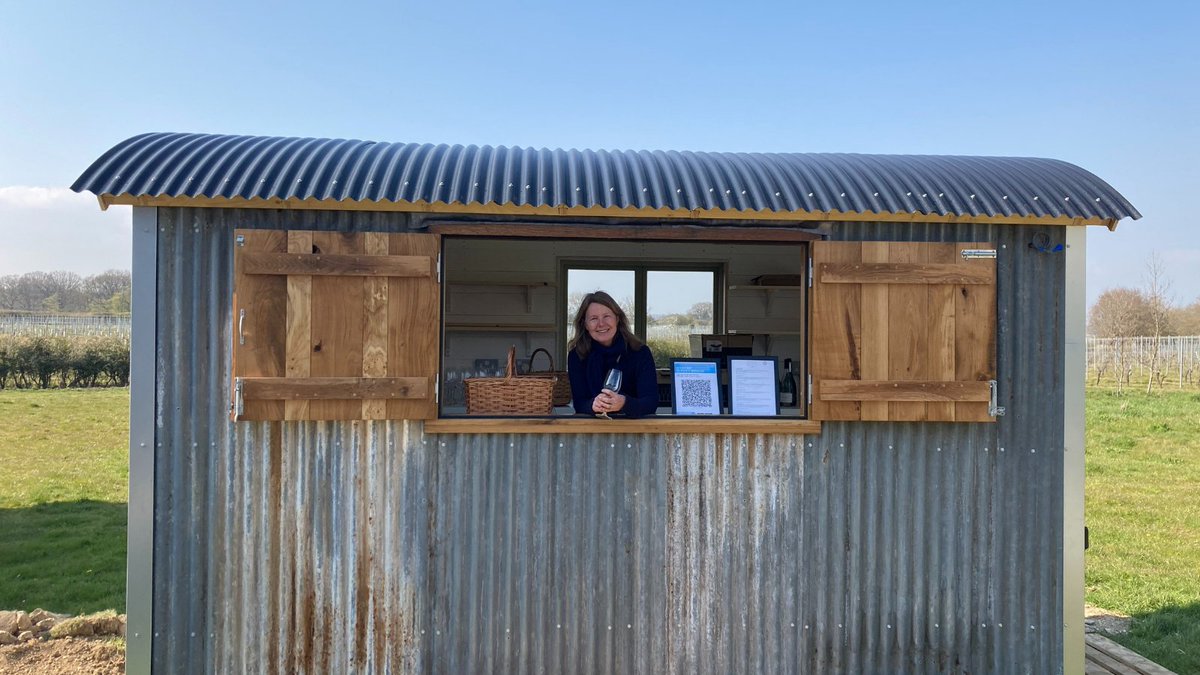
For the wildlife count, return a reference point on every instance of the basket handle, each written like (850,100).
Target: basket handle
(535,353)
(512,363)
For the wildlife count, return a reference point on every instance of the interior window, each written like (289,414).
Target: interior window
(665,306)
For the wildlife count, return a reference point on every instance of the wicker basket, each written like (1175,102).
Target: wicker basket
(509,395)
(562,384)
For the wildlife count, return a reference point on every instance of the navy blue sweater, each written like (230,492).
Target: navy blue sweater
(639,385)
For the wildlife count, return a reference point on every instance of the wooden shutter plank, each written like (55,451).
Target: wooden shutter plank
(334,388)
(259,338)
(946,272)
(927,344)
(909,332)
(334,264)
(414,315)
(299,324)
(875,332)
(337,326)
(975,336)
(891,390)
(375,324)
(940,350)
(835,331)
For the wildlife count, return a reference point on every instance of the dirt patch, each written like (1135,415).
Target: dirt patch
(1108,622)
(66,656)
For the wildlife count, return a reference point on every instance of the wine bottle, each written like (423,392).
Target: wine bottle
(787,386)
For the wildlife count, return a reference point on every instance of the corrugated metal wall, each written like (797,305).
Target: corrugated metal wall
(369,547)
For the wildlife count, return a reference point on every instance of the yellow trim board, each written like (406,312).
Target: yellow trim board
(493,209)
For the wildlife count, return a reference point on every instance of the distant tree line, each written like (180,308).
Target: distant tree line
(67,292)
(1145,312)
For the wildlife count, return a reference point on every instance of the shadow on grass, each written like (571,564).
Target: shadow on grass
(66,557)
(1170,637)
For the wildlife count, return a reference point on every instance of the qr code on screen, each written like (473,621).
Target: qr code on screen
(697,394)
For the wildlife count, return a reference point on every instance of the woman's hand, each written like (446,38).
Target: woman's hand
(608,402)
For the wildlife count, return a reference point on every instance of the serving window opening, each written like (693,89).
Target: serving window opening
(686,300)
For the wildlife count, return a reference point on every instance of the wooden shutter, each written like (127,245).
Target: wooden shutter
(335,326)
(902,331)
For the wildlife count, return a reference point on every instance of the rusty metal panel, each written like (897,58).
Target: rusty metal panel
(371,547)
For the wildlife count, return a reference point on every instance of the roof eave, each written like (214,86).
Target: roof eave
(476,208)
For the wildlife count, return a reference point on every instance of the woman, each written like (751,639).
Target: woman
(603,341)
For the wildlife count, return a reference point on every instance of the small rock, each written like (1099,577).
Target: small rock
(39,615)
(8,622)
(25,636)
(46,623)
(23,621)
(7,638)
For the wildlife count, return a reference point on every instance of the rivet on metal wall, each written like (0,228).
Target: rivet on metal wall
(1031,450)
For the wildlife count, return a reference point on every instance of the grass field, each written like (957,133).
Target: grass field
(1143,514)
(64,478)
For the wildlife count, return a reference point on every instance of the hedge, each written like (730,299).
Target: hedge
(30,362)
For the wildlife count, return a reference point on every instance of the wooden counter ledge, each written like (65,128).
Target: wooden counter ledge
(583,425)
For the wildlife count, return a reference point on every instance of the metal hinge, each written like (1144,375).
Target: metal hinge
(239,401)
(437,388)
(240,239)
(993,409)
(810,272)
(970,253)
(808,389)
(439,268)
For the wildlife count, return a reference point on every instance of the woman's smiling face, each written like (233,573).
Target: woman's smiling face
(601,323)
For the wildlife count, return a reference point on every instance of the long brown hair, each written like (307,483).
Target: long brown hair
(582,342)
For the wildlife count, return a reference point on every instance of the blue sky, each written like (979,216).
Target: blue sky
(1111,87)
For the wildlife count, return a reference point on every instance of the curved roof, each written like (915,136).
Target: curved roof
(222,170)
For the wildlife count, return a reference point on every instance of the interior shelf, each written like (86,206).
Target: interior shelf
(767,288)
(501,327)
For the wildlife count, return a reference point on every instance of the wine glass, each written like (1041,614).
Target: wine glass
(612,382)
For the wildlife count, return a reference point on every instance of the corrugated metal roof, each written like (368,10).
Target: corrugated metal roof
(176,165)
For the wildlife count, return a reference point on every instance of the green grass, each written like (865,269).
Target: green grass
(64,478)
(1143,514)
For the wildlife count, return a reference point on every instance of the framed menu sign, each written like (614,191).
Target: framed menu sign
(752,386)
(694,387)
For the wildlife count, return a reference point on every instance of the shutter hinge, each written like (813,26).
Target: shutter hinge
(437,389)
(239,401)
(973,253)
(808,389)
(241,240)
(993,409)
(810,272)
(439,268)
